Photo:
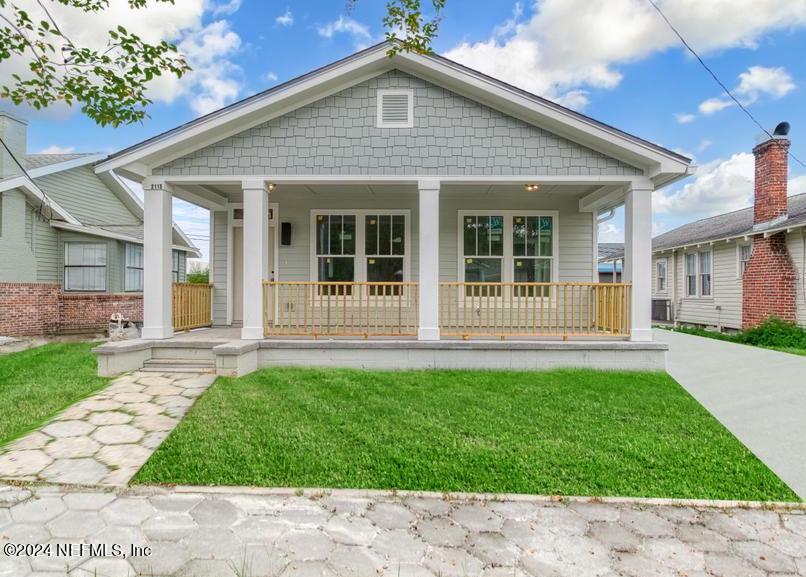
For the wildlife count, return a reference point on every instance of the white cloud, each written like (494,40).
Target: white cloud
(719,186)
(285,19)
(610,232)
(56,149)
(346,25)
(215,79)
(565,45)
(270,77)
(714,105)
(704,144)
(758,80)
(684,117)
(797,185)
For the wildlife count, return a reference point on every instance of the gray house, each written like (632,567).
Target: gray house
(66,230)
(404,210)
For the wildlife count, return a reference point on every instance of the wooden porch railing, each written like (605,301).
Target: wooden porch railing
(534,309)
(349,309)
(192,306)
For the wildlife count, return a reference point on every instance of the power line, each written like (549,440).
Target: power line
(716,78)
(45,199)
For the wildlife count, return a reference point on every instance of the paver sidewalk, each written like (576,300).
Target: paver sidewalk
(106,438)
(758,394)
(193,532)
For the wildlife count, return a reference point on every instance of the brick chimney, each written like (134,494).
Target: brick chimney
(768,284)
(771,172)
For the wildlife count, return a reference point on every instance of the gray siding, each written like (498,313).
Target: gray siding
(88,199)
(17,262)
(452,135)
(46,249)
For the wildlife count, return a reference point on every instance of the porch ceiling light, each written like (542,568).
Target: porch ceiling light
(532,187)
(272,186)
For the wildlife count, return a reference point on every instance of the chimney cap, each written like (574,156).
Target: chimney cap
(782,129)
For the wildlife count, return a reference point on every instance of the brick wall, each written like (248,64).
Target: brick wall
(87,312)
(768,285)
(31,309)
(770,200)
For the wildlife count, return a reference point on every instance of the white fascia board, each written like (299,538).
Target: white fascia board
(35,193)
(745,237)
(122,191)
(555,118)
(66,165)
(637,182)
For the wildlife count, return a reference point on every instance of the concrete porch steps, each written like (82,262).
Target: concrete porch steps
(179,366)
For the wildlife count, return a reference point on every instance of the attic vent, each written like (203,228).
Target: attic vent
(395,108)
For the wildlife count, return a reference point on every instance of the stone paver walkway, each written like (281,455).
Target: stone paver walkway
(106,438)
(193,532)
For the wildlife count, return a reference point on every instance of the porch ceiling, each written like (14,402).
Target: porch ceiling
(233,193)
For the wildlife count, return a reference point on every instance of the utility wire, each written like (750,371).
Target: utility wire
(45,199)
(716,78)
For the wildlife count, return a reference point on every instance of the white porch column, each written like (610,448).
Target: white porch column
(429,261)
(637,265)
(157,243)
(255,255)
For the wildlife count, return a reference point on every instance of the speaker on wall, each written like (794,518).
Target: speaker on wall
(285,233)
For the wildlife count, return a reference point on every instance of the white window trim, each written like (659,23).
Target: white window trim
(696,275)
(665,261)
(380,93)
(360,269)
(126,267)
(65,266)
(698,283)
(739,246)
(507,271)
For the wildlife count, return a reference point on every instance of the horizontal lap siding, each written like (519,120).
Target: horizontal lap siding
(218,274)
(726,289)
(451,135)
(795,242)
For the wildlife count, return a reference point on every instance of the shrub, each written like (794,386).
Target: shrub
(775,332)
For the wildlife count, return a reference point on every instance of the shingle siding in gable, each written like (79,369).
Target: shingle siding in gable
(452,135)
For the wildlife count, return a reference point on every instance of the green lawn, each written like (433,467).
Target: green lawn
(38,383)
(559,432)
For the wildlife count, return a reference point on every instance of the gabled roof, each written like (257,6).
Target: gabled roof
(727,226)
(610,250)
(659,163)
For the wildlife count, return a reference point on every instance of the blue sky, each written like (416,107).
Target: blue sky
(611,59)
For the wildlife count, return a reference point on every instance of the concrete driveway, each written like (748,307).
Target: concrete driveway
(758,394)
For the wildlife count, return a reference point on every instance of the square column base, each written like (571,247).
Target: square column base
(157,333)
(641,335)
(428,334)
(252,333)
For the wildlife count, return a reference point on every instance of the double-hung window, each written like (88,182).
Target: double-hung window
(177,260)
(508,246)
(745,250)
(361,246)
(660,267)
(134,268)
(85,266)
(691,275)
(705,273)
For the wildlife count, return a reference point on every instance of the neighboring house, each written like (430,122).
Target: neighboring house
(71,241)
(734,270)
(611,257)
(407,197)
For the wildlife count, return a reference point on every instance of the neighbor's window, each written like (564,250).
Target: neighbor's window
(134,268)
(85,266)
(745,251)
(691,275)
(661,268)
(177,260)
(705,273)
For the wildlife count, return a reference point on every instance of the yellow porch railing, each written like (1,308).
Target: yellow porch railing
(534,309)
(192,306)
(344,309)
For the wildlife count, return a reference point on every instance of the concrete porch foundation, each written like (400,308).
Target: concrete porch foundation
(235,357)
